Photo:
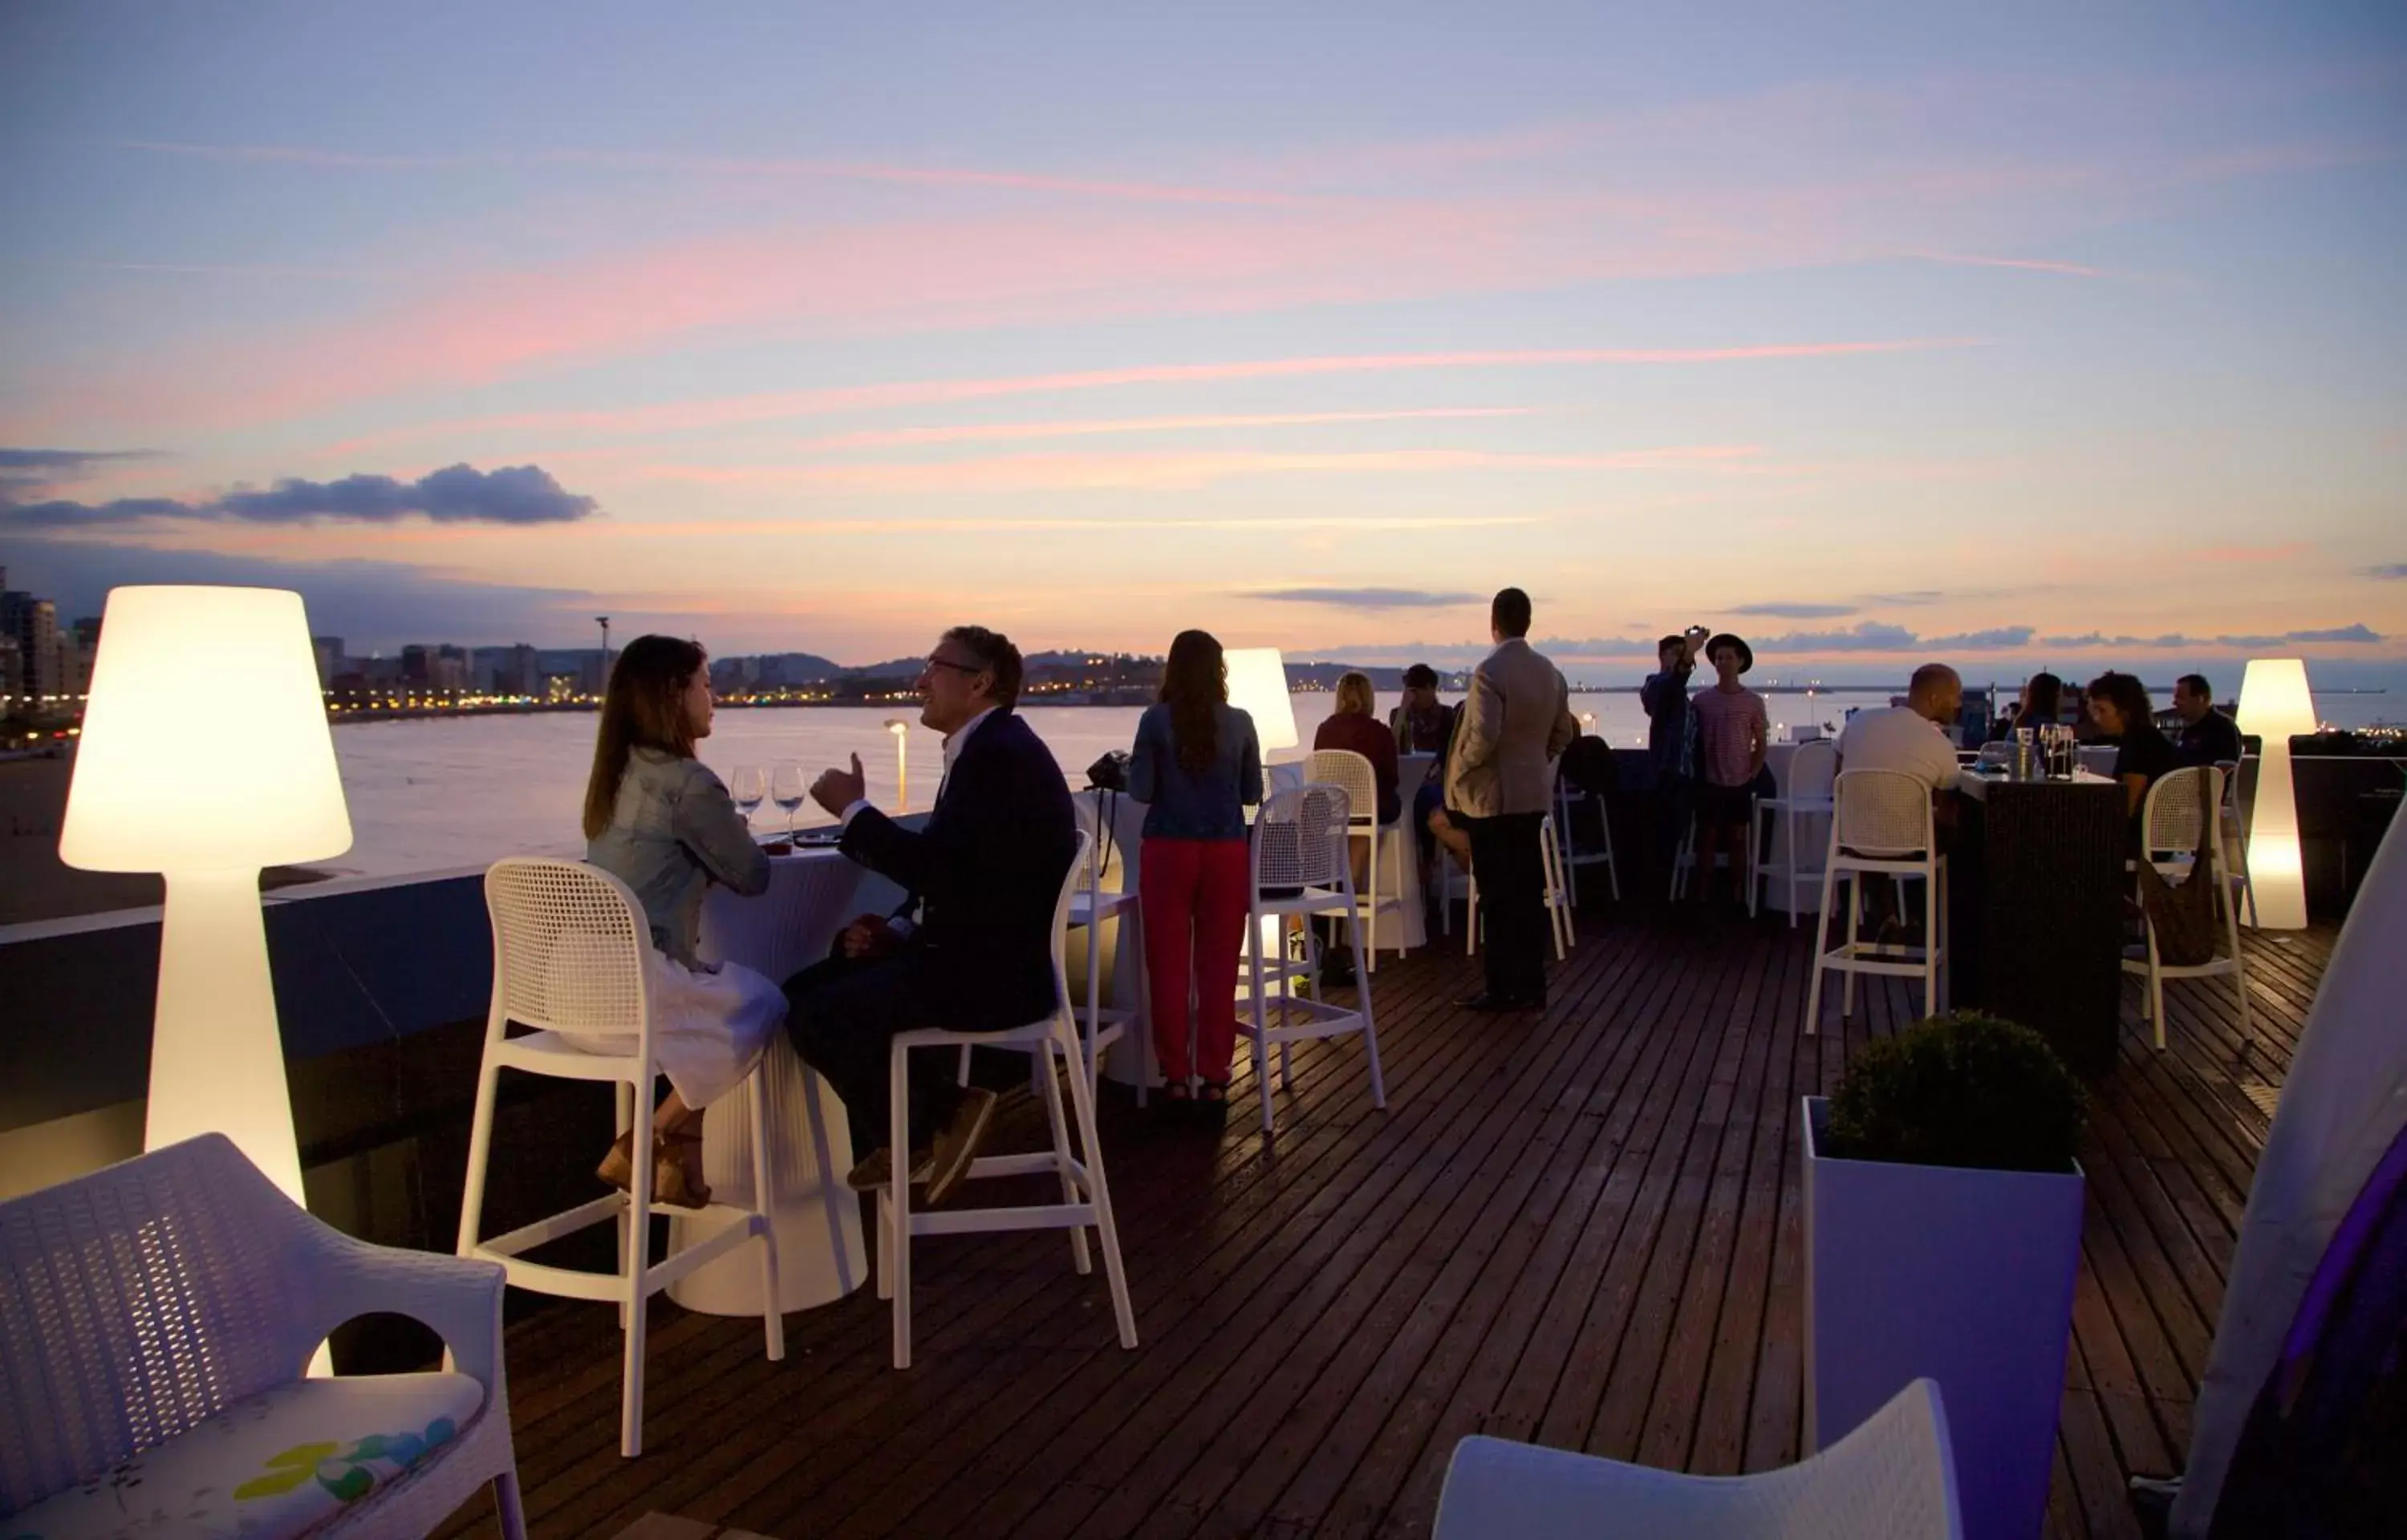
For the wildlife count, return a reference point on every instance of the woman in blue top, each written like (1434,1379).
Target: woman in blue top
(1197,767)
(657,819)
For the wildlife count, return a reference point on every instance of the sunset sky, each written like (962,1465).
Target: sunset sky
(2012,334)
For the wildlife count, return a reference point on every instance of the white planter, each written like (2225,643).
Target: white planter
(1962,1274)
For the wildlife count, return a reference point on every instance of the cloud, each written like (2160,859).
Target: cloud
(2359,632)
(368,604)
(1910,597)
(2396,568)
(2078,270)
(1870,636)
(771,406)
(65,464)
(2091,641)
(1369,598)
(1997,638)
(1785,610)
(457,494)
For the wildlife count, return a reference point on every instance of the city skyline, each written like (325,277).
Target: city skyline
(2051,338)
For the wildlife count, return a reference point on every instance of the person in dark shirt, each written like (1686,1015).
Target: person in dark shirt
(1422,723)
(1352,728)
(2042,699)
(1670,739)
(2118,704)
(2207,736)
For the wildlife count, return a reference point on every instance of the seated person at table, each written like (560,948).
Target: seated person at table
(1911,740)
(984,875)
(1352,728)
(1421,722)
(658,820)
(1427,724)
(1732,732)
(2207,736)
(2118,704)
(1198,767)
(2042,699)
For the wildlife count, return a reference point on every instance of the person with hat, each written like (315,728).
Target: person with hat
(1733,730)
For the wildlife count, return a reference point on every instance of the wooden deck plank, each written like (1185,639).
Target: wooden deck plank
(1584,1228)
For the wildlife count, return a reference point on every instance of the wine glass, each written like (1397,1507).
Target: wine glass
(749,785)
(787,790)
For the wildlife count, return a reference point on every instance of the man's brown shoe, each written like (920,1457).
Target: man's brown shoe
(876,1168)
(956,1144)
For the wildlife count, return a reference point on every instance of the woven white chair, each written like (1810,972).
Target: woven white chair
(2170,816)
(2235,839)
(1808,791)
(1091,906)
(1881,824)
(1086,1196)
(156,1321)
(1570,854)
(1302,869)
(569,962)
(1552,866)
(1892,1479)
(1352,773)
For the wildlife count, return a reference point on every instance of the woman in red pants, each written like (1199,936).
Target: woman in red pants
(1197,768)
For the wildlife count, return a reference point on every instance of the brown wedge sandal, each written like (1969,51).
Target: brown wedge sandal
(676,1170)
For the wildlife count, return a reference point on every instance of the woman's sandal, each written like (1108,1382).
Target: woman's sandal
(676,1170)
(618,1167)
(1212,1103)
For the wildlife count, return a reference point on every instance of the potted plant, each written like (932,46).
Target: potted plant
(1943,1224)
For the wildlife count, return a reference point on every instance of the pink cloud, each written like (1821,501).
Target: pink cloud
(2081,270)
(785,405)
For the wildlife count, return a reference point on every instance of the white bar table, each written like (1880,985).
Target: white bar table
(821,1255)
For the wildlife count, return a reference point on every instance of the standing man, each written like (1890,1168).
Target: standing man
(1517,719)
(1671,741)
(2207,736)
(972,950)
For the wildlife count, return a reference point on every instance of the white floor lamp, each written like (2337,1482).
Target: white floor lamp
(204,755)
(2274,702)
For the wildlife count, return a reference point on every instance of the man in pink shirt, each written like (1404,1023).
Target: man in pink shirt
(1731,731)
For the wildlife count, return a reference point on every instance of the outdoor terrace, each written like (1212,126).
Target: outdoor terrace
(1583,1229)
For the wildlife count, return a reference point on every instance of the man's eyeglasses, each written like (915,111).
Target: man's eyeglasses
(958,668)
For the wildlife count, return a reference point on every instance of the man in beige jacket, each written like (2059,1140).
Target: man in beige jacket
(1499,784)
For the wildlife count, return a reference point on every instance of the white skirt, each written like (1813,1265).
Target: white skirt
(708,1028)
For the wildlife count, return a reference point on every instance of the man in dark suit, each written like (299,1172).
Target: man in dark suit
(971,949)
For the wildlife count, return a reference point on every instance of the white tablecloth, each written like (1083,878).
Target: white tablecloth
(821,1256)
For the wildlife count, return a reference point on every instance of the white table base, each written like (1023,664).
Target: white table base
(821,1256)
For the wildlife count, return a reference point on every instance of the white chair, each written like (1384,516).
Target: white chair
(1086,1198)
(1892,1479)
(1302,869)
(1091,906)
(1572,857)
(2176,806)
(1810,770)
(2235,839)
(1881,823)
(1352,773)
(1552,865)
(157,1318)
(569,961)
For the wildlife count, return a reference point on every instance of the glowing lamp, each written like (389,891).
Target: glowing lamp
(902,763)
(2274,702)
(1258,687)
(167,779)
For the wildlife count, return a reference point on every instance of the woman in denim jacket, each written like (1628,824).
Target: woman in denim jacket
(658,820)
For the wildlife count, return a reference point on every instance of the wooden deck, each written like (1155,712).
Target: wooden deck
(1583,1229)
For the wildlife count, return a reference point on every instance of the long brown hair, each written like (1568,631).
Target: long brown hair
(1194,681)
(643,708)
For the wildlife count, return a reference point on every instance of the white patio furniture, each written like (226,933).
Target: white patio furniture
(1892,1479)
(1571,855)
(1301,868)
(1091,906)
(569,944)
(2235,838)
(1086,1196)
(1552,866)
(1807,791)
(2172,815)
(156,1321)
(1352,773)
(1882,826)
